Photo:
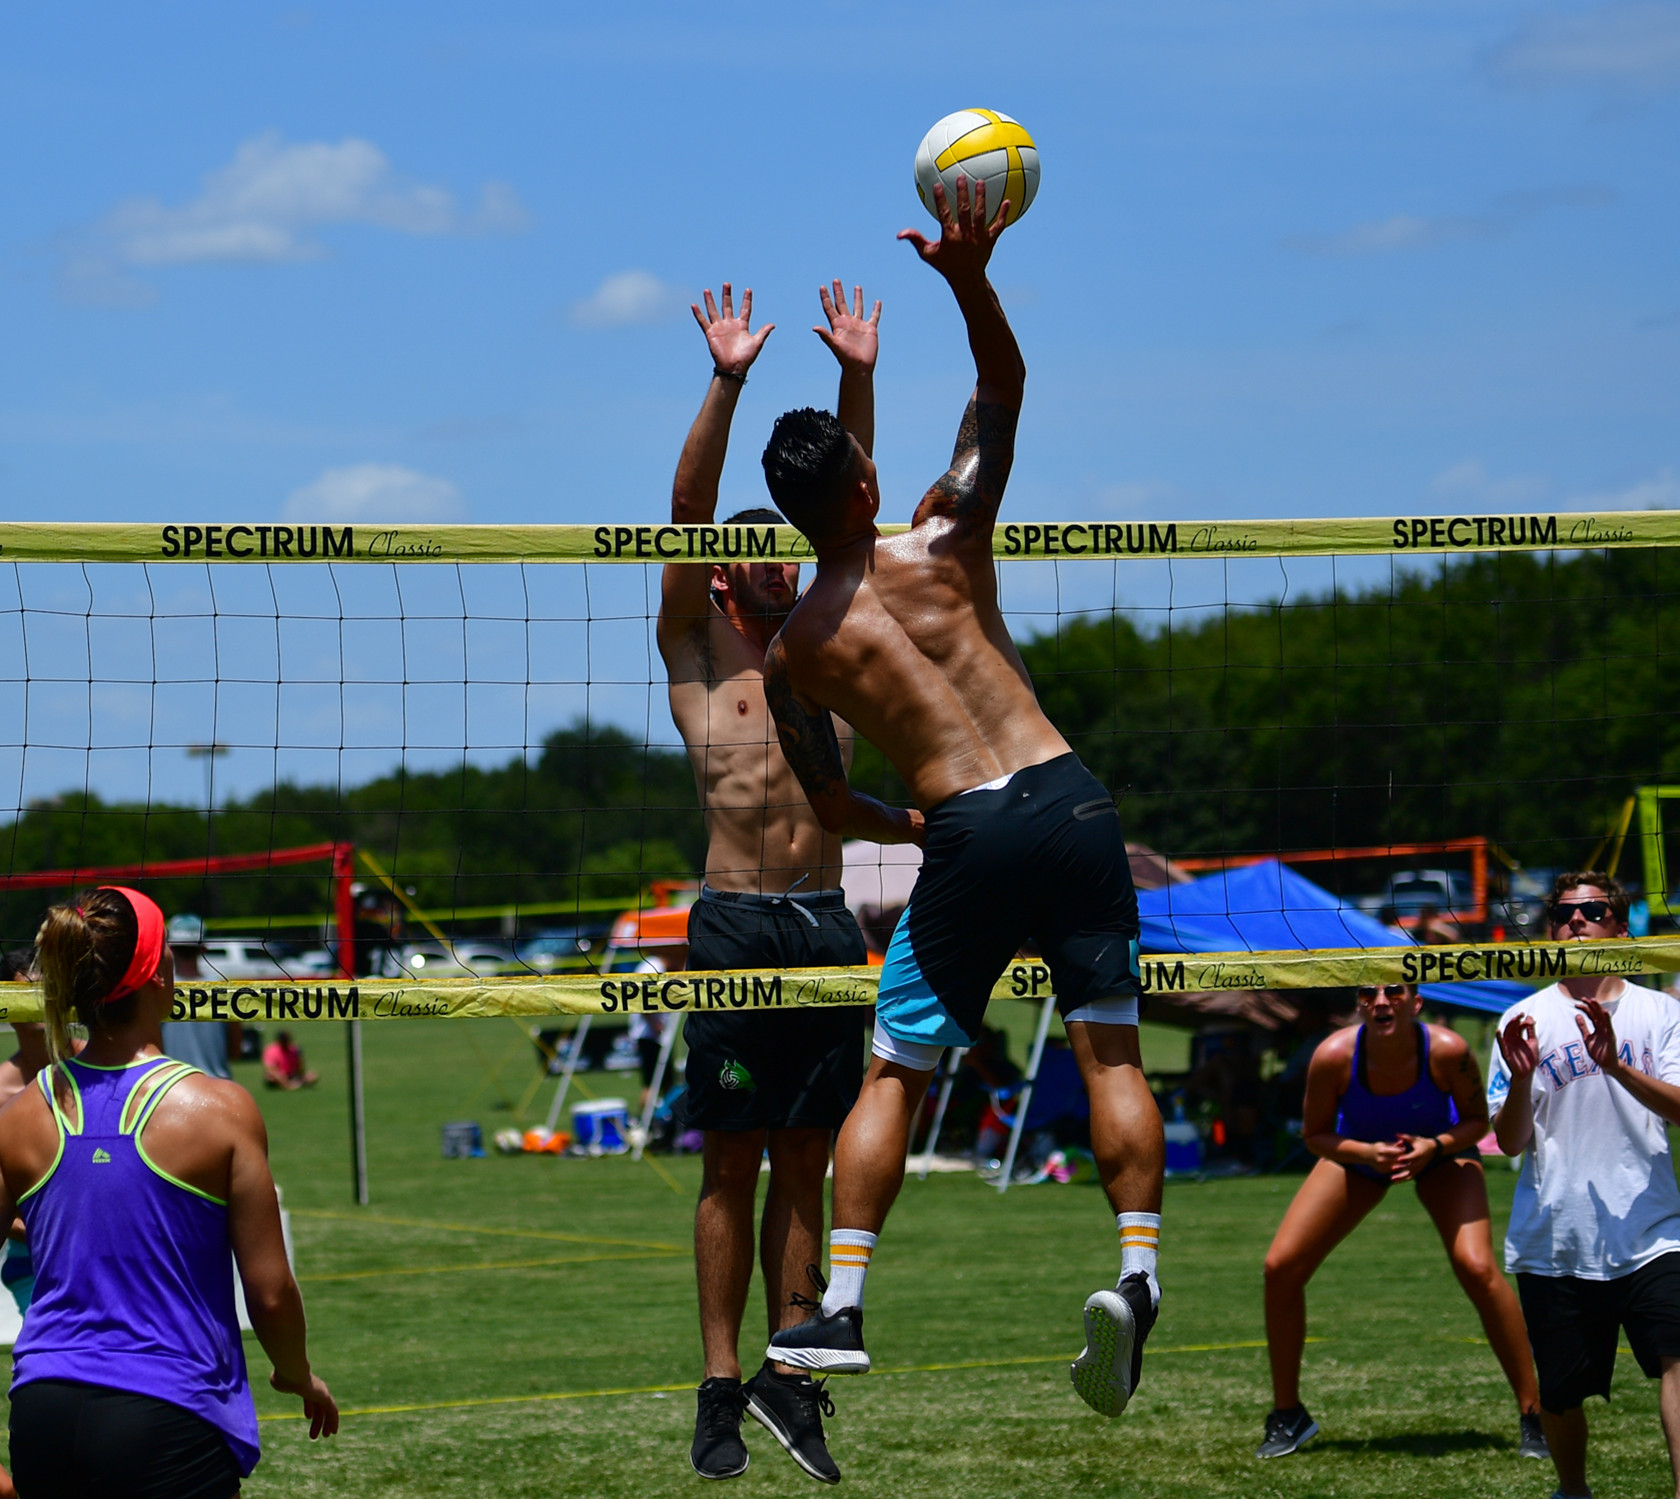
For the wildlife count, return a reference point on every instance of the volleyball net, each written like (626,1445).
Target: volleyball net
(381,771)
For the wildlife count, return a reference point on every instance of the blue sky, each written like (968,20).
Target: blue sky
(1286,259)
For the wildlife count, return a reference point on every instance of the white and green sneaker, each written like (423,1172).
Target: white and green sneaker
(1106,1374)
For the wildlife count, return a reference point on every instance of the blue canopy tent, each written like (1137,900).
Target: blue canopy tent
(1263,907)
(1268,907)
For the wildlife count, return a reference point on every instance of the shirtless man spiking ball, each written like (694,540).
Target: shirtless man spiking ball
(904,640)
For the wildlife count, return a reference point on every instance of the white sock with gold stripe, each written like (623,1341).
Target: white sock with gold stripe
(848,1262)
(1140,1247)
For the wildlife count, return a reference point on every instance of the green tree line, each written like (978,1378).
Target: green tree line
(594,815)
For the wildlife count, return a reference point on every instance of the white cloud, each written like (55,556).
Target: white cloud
(1406,231)
(369,492)
(628,297)
(1633,46)
(262,207)
(1470,484)
(1659,492)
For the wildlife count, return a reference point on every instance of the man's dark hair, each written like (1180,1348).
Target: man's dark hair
(1598,879)
(806,464)
(759,515)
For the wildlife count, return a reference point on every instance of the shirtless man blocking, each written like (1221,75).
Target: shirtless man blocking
(904,640)
(771,899)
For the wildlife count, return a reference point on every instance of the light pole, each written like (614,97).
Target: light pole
(209,753)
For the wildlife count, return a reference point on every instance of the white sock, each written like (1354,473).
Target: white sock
(848,1262)
(1140,1247)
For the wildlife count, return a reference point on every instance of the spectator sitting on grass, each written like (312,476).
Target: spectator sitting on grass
(283,1065)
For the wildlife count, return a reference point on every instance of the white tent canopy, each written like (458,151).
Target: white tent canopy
(879,874)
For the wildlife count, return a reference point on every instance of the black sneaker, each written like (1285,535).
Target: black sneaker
(791,1407)
(1106,1374)
(1287,1431)
(829,1345)
(718,1451)
(1532,1437)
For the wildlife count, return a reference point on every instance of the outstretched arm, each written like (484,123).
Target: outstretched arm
(684,591)
(811,747)
(853,339)
(972,488)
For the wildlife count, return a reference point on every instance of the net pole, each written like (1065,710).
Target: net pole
(358,1123)
(344,906)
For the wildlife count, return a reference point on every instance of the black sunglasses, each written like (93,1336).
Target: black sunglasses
(1388,991)
(1593,910)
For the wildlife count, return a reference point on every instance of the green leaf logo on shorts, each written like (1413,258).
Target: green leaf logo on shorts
(735,1077)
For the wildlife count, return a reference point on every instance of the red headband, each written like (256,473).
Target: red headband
(148,946)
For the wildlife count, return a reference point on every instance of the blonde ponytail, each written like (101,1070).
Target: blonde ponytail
(81,953)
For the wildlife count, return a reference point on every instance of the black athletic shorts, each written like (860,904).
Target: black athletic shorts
(86,1441)
(1572,1326)
(773,1069)
(1041,859)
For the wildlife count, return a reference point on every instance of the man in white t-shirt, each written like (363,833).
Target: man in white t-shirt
(1586,1080)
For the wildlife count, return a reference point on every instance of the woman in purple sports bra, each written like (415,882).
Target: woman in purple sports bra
(140,1181)
(1390,1100)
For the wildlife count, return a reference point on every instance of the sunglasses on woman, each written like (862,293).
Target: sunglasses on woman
(1591,910)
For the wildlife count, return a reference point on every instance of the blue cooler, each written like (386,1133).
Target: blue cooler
(1184,1147)
(600,1127)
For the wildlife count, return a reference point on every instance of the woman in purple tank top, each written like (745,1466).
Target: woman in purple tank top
(1390,1100)
(140,1181)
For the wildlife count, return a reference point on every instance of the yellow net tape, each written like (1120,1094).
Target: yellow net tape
(1021,541)
(1537,963)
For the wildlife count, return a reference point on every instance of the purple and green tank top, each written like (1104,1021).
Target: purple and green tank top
(133,1268)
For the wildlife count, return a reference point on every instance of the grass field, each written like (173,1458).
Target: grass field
(525,1326)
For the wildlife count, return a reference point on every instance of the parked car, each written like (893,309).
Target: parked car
(1408,891)
(317,963)
(1523,906)
(238,958)
(560,949)
(459,960)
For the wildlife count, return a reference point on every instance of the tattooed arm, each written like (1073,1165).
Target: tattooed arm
(812,749)
(972,489)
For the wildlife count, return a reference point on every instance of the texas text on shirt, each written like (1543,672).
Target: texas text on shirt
(1602,1201)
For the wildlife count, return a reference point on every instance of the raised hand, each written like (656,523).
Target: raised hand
(1518,1046)
(734,346)
(852,338)
(965,238)
(1600,1037)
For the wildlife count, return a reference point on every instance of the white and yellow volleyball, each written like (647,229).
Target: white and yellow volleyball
(983,146)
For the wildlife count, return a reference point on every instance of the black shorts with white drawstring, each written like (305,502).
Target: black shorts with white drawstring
(797,1068)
